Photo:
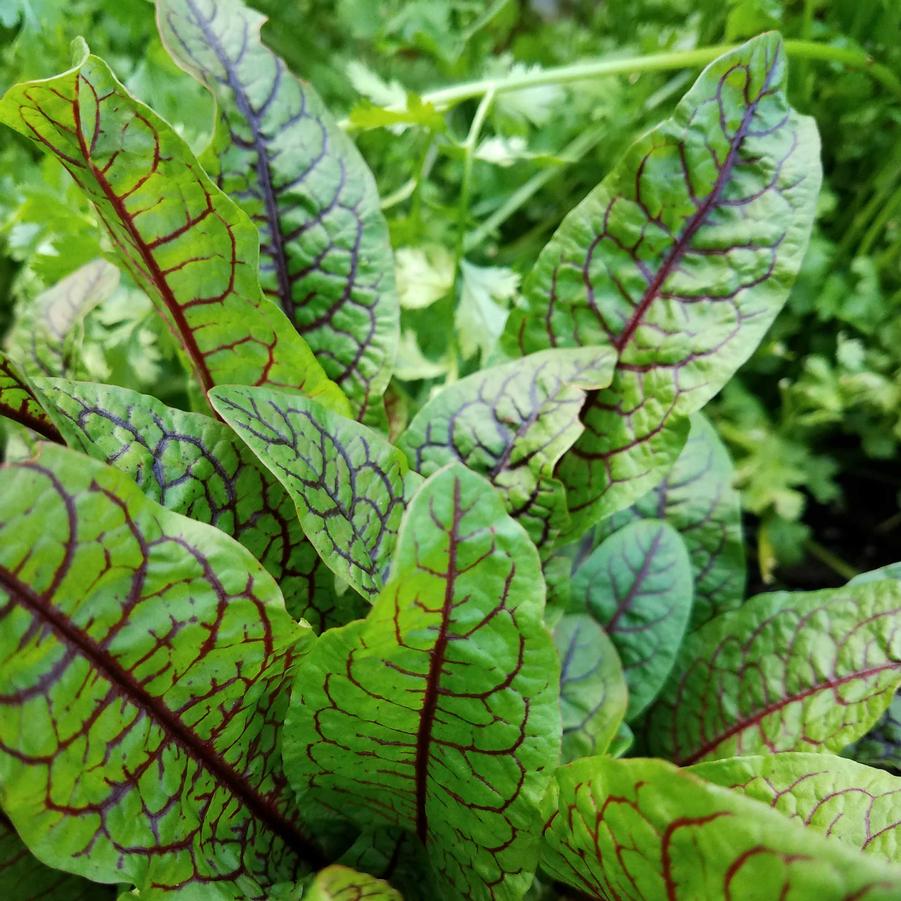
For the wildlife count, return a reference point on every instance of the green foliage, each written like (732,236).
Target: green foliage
(377,574)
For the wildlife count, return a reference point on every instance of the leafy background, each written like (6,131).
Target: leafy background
(813,420)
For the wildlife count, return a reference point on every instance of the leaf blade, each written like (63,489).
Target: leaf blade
(679,261)
(179,236)
(326,257)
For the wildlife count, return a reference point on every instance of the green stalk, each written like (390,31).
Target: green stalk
(444,98)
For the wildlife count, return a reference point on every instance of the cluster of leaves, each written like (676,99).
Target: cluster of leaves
(324,636)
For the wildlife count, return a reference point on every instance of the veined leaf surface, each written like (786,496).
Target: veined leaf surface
(24,878)
(195,465)
(350,485)
(325,256)
(637,585)
(858,804)
(144,665)
(340,883)
(881,746)
(512,423)
(438,712)
(640,829)
(41,337)
(679,260)
(785,672)
(19,402)
(593,693)
(193,251)
(698,500)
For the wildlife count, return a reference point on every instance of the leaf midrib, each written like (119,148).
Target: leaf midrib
(195,747)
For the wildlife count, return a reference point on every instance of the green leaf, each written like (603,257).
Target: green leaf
(340,883)
(144,665)
(42,335)
(485,296)
(641,829)
(679,260)
(438,712)
(855,803)
(19,402)
(349,484)
(593,693)
(24,878)
(698,500)
(637,585)
(195,465)
(325,253)
(785,672)
(881,746)
(193,251)
(512,423)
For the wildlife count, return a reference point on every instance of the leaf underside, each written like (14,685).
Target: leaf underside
(124,625)
(438,713)
(325,253)
(193,251)
(679,260)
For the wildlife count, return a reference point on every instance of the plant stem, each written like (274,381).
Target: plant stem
(835,563)
(444,98)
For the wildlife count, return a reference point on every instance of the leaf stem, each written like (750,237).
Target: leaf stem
(444,98)
(834,562)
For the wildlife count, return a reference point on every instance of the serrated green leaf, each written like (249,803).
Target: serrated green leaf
(593,693)
(41,337)
(785,672)
(641,829)
(193,251)
(325,253)
(349,484)
(195,465)
(24,878)
(512,423)
(19,403)
(438,713)
(637,585)
(340,883)
(697,498)
(124,626)
(855,803)
(679,260)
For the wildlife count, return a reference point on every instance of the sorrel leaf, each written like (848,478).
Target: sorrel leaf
(19,402)
(24,878)
(193,251)
(785,672)
(348,483)
(41,337)
(698,500)
(855,803)
(593,693)
(144,661)
(637,585)
(196,466)
(512,423)
(438,713)
(325,256)
(636,829)
(340,883)
(679,260)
